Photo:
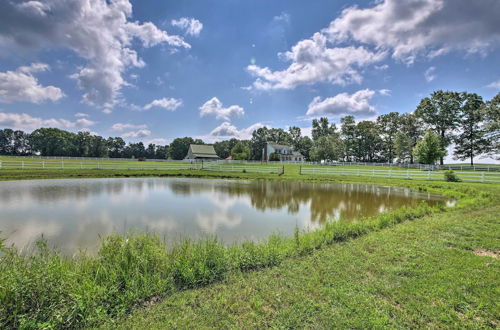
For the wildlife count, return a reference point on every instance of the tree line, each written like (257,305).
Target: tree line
(443,118)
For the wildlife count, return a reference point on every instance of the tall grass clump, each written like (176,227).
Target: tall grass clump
(196,263)
(451,176)
(44,289)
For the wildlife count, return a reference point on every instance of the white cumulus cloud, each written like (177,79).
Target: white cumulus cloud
(227,130)
(356,104)
(158,141)
(313,61)
(21,86)
(139,134)
(119,127)
(191,26)
(98,31)
(28,123)
(214,107)
(427,27)
(165,103)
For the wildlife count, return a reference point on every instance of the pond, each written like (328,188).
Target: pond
(73,214)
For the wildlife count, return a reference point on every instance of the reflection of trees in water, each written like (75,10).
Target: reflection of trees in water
(326,201)
(340,201)
(346,201)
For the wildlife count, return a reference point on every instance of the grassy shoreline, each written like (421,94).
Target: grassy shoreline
(47,290)
(429,273)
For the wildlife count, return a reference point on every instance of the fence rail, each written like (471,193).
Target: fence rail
(482,168)
(398,174)
(82,158)
(73,165)
(242,168)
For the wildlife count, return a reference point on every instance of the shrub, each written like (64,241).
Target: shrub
(450,176)
(274,157)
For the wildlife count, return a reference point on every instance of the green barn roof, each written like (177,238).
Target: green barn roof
(203,151)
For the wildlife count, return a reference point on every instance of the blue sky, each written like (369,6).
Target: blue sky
(155,70)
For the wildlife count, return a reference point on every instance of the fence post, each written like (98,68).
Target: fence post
(408,174)
(43,164)
(283,170)
(0,164)
(482,177)
(81,165)
(428,175)
(22,164)
(300,168)
(373,173)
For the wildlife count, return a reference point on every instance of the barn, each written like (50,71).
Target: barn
(201,152)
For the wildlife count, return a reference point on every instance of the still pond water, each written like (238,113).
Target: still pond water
(73,214)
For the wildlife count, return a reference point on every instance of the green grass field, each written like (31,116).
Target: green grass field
(81,169)
(409,268)
(428,273)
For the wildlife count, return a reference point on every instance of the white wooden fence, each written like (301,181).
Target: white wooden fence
(99,159)
(472,176)
(180,165)
(213,166)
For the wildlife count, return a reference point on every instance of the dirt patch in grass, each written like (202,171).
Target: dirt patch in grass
(487,253)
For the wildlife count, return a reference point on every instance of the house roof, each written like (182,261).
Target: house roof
(203,151)
(281,146)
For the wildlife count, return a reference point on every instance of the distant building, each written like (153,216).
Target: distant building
(284,153)
(201,152)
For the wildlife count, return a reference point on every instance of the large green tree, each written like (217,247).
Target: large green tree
(99,147)
(241,151)
(491,111)
(321,128)
(116,147)
(429,149)
(441,112)
(304,146)
(388,125)
(295,134)
(471,140)
(348,134)
(83,144)
(223,148)
(161,152)
(151,151)
(52,142)
(411,128)
(403,147)
(6,144)
(279,136)
(259,139)
(368,142)
(326,148)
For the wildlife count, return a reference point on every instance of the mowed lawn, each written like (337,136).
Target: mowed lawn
(438,271)
(441,271)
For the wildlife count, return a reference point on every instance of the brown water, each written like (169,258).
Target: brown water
(72,214)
